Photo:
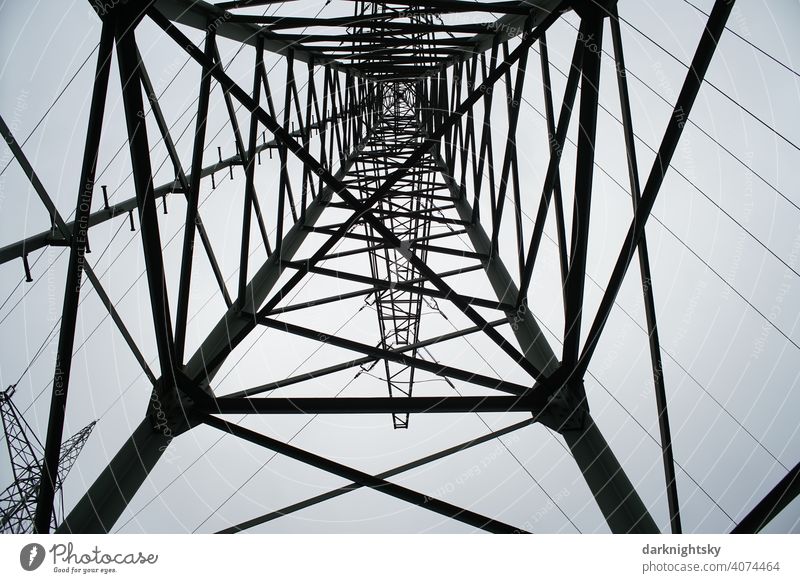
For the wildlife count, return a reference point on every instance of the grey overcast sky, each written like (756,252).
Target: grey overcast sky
(725,249)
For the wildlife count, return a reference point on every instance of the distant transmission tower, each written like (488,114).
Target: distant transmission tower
(18,500)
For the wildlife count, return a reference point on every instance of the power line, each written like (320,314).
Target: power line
(702,192)
(717,89)
(753,45)
(719,144)
(53,104)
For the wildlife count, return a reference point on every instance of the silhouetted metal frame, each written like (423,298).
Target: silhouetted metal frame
(442,131)
(69,312)
(647,284)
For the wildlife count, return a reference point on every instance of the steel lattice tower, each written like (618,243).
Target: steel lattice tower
(384,138)
(18,500)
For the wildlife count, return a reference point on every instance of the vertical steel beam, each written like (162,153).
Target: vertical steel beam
(249,172)
(283,152)
(183,181)
(531,339)
(192,201)
(584,173)
(308,182)
(556,149)
(143,185)
(514,100)
(66,232)
(561,232)
(647,284)
(69,312)
(485,150)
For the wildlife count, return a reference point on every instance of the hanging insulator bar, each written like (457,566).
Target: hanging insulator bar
(27,267)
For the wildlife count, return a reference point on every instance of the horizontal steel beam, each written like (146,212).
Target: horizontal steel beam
(402,286)
(50,237)
(200,15)
(330,405)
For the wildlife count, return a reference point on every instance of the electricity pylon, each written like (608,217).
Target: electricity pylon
(18,500)
(385,137)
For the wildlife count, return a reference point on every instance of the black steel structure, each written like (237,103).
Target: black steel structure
(18,500)
(381,134)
